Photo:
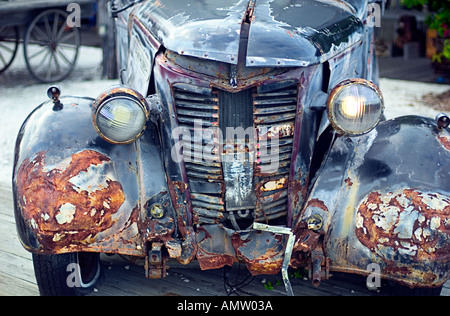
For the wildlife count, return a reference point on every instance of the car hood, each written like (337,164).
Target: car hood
(282,32)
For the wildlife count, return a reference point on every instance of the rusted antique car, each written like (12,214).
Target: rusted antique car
(242,131)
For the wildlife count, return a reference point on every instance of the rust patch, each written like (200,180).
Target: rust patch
(348,182)
(445,141)
(317,203)
(210,257)
(116,90)
(177,190)
(159,229)
(57,210)
(188,247)
(271,185)
(298,189)
(413,224)
(306,240)
(208,260)
(173,248)
(269,263)
(261,256)
(276,131)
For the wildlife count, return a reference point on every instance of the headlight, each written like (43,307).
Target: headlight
(120,115)
(355,106)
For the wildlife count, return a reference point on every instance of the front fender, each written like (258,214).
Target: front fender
(385,198)
(73,191)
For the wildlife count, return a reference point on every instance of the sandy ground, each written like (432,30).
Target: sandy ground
(20,94)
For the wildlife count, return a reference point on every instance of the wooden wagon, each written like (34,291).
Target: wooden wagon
(49,31)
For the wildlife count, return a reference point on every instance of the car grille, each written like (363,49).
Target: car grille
(271,110)
(274,112)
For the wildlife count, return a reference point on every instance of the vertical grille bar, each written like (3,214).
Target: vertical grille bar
(236,124)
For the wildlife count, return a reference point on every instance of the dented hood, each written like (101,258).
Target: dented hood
(282,32)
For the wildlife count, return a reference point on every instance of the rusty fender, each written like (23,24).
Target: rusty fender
(385,198)
(75,192)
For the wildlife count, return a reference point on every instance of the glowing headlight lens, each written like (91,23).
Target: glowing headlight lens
(120,115)
(355,106)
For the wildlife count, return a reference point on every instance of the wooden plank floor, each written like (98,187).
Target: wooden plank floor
(413,69)
(121,278)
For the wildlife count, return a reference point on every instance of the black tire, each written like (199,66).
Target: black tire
(71,274)
(51,46)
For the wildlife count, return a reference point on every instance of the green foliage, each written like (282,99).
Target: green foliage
(296,274)
(438,19)
(268,286)
(445,52)
(414,3)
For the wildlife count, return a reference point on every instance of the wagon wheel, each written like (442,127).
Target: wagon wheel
(9,43)
(51,46)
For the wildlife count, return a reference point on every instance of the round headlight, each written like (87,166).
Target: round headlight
(120,115)
(355,106)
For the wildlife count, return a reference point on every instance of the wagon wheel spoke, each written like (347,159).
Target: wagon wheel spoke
(62,55)
(61,32)
(3,60)
(58,67)
(55,26)
(37,36)
(9,43)
(5,47)
(47,27)
(66,38)
(43,61)
(49,67)
(49,32)
(4,50)
(39,52)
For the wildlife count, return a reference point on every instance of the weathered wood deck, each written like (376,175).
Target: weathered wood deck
(413,69)
(125,279)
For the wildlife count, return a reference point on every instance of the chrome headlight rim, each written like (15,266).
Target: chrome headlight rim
(114,93)
(336,91)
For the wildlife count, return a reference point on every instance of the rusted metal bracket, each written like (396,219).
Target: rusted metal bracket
(287,251)
(317,258)
(319,268)
(155,263)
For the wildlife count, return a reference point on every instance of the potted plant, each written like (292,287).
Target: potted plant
(438,35)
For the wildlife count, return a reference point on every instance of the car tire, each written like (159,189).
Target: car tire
(70,274)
